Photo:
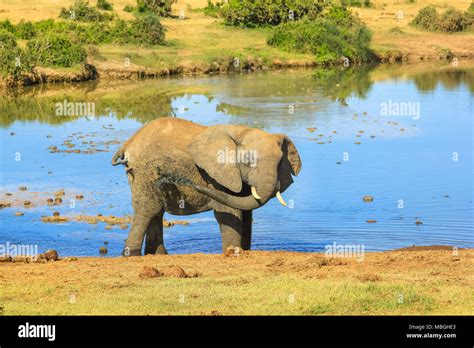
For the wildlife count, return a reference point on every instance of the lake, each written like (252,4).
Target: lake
(401,134)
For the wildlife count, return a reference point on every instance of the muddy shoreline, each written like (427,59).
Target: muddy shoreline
(100,71)
(230,252)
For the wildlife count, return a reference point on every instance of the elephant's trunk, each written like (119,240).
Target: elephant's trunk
(242,203)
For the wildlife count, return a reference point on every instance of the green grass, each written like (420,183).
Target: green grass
(267,295)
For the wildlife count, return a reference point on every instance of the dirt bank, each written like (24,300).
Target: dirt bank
(259,282)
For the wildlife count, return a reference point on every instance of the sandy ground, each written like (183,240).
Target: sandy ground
(425,280)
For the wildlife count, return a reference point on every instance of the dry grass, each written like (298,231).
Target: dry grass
(397,282)
(392,34)
(198,41)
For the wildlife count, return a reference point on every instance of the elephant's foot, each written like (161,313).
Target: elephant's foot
(131,252)
(161,250)
(155,250)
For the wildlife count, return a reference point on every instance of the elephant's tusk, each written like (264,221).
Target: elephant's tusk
(280,199)
(254,192)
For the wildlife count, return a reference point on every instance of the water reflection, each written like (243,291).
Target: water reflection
(145,101)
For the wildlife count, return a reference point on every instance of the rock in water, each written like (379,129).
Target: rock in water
(368,198)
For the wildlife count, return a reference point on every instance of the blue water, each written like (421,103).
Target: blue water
(421,173)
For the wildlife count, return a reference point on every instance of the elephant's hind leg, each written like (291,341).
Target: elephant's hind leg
(147,220)
(154,243)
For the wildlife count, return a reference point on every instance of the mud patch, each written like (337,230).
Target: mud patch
(149,272)
(427,248)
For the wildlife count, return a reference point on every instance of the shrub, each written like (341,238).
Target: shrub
(7,40)
(359,3)
(326,38)
(83,12)
(213,9)
(160,8)
(7,25)
(128,8)
(104,5)
(427,18)
(25,30)
(144,29)
(451,21)
(252,13)
(469,18)
(147,29)
(13,60)
(55,50)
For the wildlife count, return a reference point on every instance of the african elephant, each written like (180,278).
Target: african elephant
(184,168)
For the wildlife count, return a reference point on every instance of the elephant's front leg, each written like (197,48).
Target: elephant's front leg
(230,224)
(246,229)
(154,243)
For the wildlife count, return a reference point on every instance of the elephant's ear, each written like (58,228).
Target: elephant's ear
(212,150)
(289,150)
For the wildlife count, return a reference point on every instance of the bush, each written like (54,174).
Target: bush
(128,8)
(25,30)
(327,38)
(147,29)
(144,29)
(427,18)
(13,60)
(56,51)
(83,12)
(213,9)
(253,13)
(7,40)
(160,8)
(7,25)
(104,5)
(359,3)
(452,20)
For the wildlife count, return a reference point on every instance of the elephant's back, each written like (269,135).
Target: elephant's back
(164,132)
(163,141)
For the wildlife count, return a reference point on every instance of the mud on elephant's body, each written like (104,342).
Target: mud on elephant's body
(184,168)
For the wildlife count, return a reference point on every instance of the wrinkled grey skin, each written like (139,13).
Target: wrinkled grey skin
(173,165)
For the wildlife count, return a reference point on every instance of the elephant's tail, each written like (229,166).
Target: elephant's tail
(120,157)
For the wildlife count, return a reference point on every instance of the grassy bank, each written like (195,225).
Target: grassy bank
(396,282)
(203,44)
